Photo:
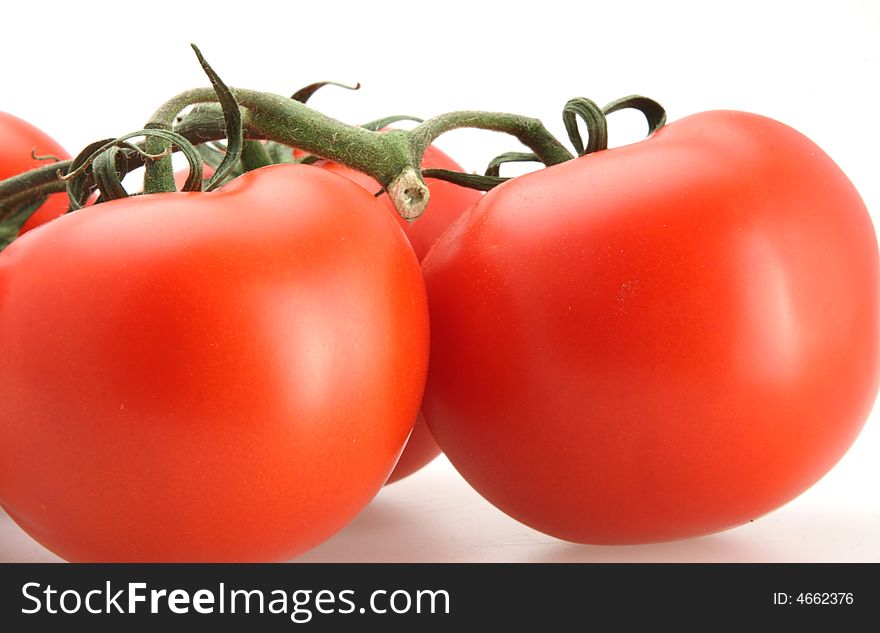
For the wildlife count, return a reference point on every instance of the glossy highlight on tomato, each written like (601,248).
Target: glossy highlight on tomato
(19,143)
(218,376)
(656,341)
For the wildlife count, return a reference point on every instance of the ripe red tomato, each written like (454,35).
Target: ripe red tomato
(180,175)
(18,139)
(447,202)
(208,376)
(656,341)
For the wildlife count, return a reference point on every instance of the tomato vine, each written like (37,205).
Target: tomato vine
(245,117)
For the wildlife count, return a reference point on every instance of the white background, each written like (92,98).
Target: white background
(87,71)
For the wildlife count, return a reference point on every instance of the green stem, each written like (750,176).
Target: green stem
(254,155)
(530,132)
(391,158)
(158,174)
(385,157)
(29,186)
(10,228)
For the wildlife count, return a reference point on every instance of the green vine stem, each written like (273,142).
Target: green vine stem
(530,132)
(272,117)
(10,228)
(254,155)
(31,185)
(391,158)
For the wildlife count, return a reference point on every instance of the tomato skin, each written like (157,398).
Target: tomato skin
(447,203)
(656,341)
(233,374)
(180,175)
(18,139)
(420,450)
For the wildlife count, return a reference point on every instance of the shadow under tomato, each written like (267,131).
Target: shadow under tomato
(17,547)
(796,534)
(383,531)
(713,548)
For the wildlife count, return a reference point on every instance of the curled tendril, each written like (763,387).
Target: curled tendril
(378,124)
(494,167)
(78,177)
(305,93)
(52,157)
(110,167)
(103,164)
(232,120)
(654,113)
(594,118)
(579,108)
(597,127)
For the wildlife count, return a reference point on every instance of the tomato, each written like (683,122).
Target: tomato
(180,175)
(660,340)
(447,202)
(208,376)
(18,140)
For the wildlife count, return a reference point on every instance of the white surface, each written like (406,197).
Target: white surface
(434,516)
(813,65)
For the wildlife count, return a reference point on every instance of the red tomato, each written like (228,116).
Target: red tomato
(447,202)
(180,176)
(656,341)
(231,375)
(18,139)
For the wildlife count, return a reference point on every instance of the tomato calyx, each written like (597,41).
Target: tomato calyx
(102,164)
(597,125)
(261,128)
(595,119)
